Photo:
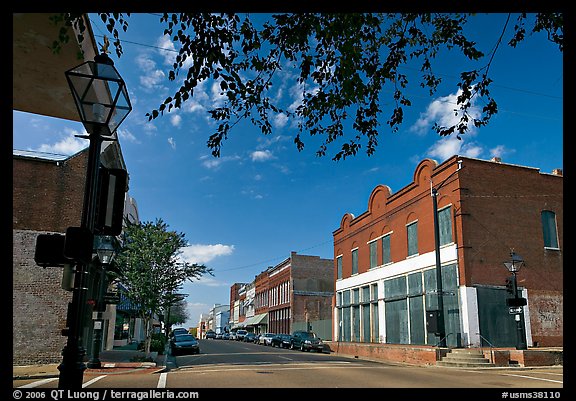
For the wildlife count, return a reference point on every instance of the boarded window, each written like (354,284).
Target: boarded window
(386,258)
(549,229)
(373,254)
(445,225)
(412,233)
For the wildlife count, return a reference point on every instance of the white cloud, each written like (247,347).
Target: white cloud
(172,142)
(175,120)
(261,155)
(445,148)
(126,135)
(212,162)
(500,151)
(200,253)
(169,52)
(152,78)
(218,99)
(442,111)
(280,120)
(450,146)
(67,146)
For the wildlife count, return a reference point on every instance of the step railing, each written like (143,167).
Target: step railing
(491,347)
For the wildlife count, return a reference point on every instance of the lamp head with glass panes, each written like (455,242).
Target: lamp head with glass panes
(100,95)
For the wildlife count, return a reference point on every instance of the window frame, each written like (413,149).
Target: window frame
(408,243)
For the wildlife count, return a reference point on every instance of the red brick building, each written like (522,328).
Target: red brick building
(384,259)
(293,295)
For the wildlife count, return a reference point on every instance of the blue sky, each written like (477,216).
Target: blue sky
(262,199)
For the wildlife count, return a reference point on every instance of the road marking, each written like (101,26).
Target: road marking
(38,383)
(270,367)
(162,380)
(533,378)
(94,380)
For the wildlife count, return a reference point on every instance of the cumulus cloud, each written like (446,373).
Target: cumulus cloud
(442,111)
(67,146)
(152,78)
(200,253)
(261,155)
(175,120)
(280,120)
(450,146)
(168,51)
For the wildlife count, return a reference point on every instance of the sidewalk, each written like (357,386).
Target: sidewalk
(119,360)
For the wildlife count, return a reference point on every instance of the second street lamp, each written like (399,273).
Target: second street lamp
(516,303)
(102,101)
(105,248)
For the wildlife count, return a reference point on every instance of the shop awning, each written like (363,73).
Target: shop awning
(256,320)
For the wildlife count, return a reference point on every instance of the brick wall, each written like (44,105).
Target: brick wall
(48,195)
(47,198)
(39,305)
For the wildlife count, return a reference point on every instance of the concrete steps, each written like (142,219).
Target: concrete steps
(465,358)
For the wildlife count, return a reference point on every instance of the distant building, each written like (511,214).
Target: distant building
(296,294)
(384,259)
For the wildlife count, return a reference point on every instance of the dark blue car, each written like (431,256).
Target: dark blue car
(184,344)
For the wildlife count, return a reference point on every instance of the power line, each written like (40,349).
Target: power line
(529,92)
(274,259)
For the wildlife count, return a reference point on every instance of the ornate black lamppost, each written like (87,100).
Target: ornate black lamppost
(102,101)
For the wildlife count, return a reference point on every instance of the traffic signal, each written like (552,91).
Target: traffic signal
(50,251)
(112,185)
(78,244)
(510,285)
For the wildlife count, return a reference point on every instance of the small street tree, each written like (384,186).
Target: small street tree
(151,270)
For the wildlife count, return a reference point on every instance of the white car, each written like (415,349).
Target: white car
(266,339)
(240,334)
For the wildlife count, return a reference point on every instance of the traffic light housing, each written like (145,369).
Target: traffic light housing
(50,250)
(112,185)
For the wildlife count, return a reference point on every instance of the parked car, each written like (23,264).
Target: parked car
(281,340)
(225,336)
(306,341)
(240,334)
(249,337)
(210,334)
(184,344)
(232,335)
(178,331)
(218,336)
(257,338)
(266,338)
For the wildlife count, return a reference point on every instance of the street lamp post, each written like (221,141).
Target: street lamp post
(102,101)
(106,251)
(516,303)
(441,327)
